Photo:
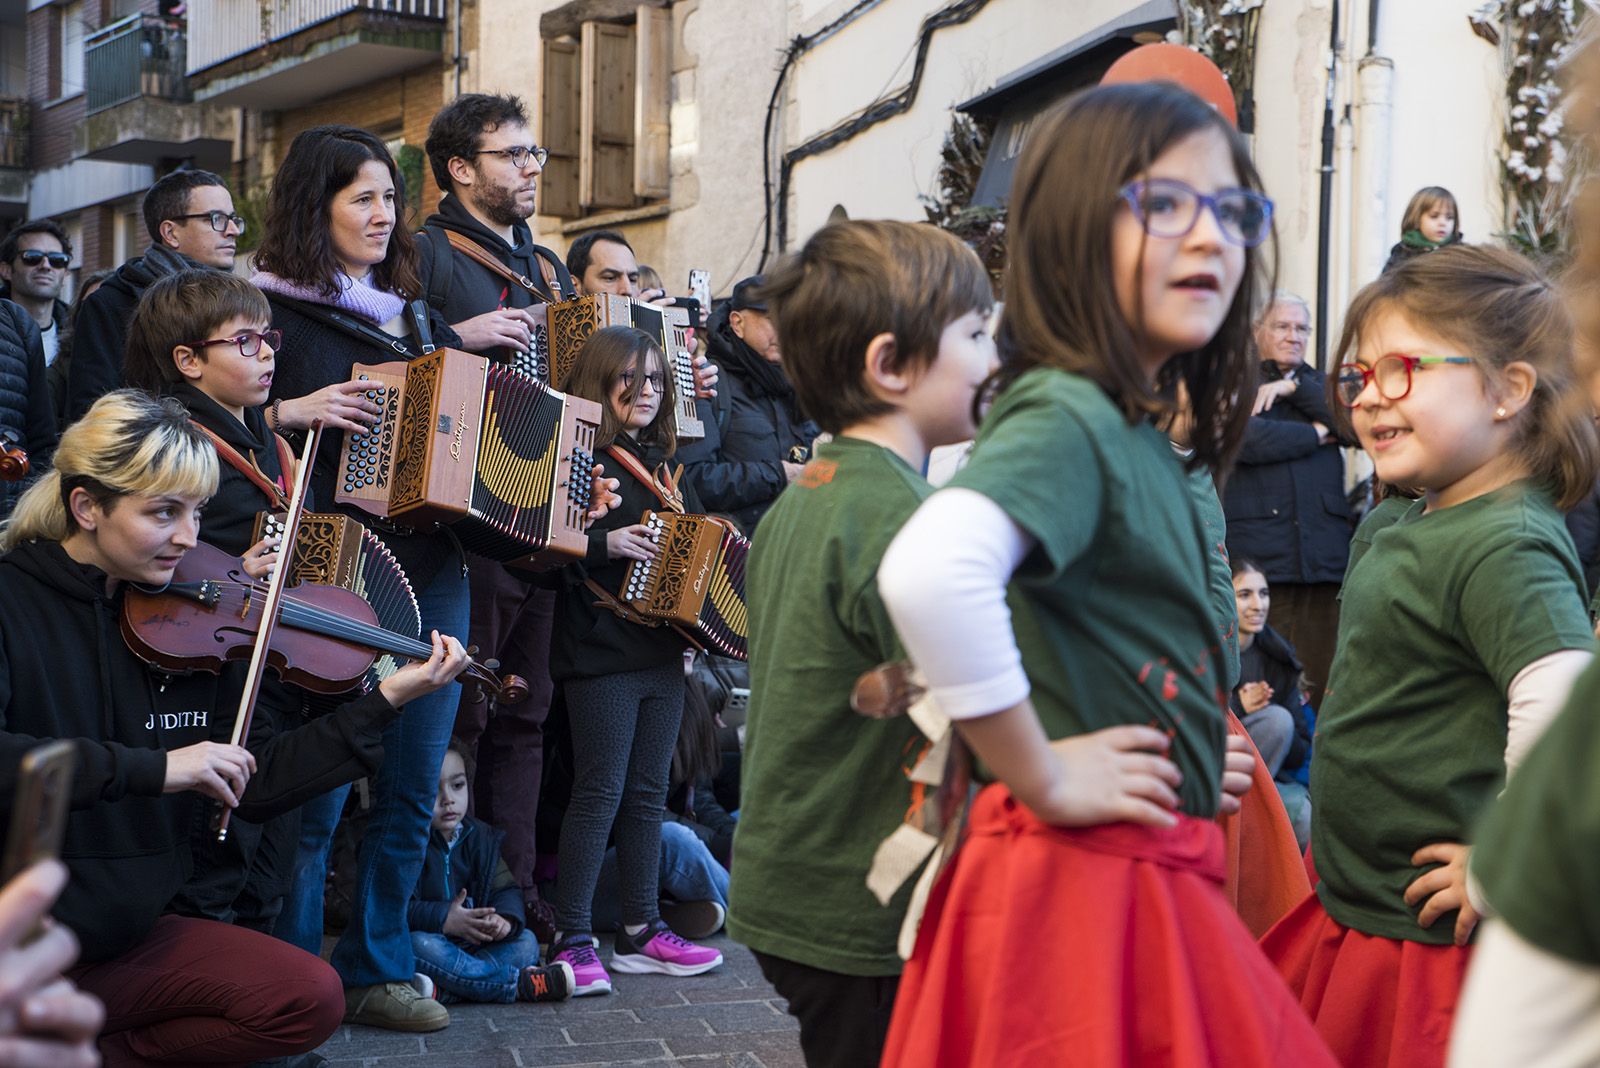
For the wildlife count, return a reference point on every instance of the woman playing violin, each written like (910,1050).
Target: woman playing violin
(122,506)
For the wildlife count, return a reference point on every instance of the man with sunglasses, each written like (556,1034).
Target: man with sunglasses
(192,224)
(34,259)
(1285,502)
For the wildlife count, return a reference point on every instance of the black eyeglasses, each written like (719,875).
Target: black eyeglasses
(34,256)
(1166,207)
(249,341)
(656,379)
(219,220)
(518,154)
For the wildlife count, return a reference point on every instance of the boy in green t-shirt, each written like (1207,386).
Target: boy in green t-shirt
(883,327)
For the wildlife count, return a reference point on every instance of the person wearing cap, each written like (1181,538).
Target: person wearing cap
(756,439)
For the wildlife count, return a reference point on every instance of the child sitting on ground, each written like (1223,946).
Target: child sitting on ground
(467,924)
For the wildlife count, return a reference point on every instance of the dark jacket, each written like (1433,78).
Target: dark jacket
(55,370)
(1410,247)
(1281,671)
(473,864)
(1285,500)
(230,515)
(27,416)
(1583,523)
(460,289)
(588,640)
(316,354)
(100,339)
(750,430)
(65,672)
(699,810)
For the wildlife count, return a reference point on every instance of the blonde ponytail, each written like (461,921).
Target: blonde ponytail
(128,443)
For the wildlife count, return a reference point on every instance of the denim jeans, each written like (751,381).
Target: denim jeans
(475,973)
(688,873)
(376,946)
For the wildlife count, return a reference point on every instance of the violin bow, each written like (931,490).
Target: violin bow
(276,584)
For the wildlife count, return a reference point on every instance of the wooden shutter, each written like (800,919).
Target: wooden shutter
(652,103)
(605,157)
(560,129)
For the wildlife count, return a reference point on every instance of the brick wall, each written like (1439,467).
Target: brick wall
(399,106)
(99,239)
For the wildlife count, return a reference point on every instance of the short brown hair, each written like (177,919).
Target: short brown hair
(853,281)
(1501,309)
(1425,200)
(180,309)
(602,360)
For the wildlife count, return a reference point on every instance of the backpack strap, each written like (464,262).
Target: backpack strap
(440,276)
(349,324)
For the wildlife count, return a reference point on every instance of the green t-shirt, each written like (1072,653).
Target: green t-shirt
(822,786)
(1111,610)
(1440,611)
(1537,854)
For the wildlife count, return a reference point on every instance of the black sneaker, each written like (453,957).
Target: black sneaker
(545,982)
(693,919)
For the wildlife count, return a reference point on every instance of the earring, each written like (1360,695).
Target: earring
(1499,413)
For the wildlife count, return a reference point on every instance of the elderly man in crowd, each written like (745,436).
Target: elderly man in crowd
(1286,503)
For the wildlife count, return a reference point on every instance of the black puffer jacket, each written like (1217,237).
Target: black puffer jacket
(27,416)
(100,338)
(1285,500)
(750,429)
(315,355)
(460,289)
(65,672)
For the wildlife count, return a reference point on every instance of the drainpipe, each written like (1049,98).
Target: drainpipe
(1325,192)
(1374,123)
(460,59)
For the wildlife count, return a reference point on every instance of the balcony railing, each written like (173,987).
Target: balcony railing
(13,132)
(141,55)
(223,29)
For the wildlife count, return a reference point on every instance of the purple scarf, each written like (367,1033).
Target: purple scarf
(356,295)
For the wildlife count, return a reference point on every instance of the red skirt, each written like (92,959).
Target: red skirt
(1377,1002)
(1095,947)
(1266,876)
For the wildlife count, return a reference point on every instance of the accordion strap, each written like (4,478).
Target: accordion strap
(242,463)
(661,483)
(480,255)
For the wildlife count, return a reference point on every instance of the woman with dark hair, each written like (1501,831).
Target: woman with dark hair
(339,270)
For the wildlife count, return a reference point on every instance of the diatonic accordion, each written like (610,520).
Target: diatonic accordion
(696,581)
(572,322)
(503,460)
(335,550)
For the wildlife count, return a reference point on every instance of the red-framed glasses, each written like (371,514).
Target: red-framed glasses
(1391,371)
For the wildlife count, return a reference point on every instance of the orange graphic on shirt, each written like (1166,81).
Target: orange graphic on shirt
(817,473)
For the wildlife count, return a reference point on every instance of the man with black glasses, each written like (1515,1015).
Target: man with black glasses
(191,221)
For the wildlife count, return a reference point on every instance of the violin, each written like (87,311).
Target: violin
(326,639)
(13,460)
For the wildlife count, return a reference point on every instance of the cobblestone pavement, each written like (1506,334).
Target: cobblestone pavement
(727,1018)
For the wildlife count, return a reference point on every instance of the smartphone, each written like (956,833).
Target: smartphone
(39,808)
(737,706)
(693,307)
(700,287)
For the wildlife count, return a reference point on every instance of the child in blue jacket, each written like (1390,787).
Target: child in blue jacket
(468,927)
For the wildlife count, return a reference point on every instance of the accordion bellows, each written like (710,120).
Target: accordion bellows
(335,550)
(696,581)
(503,460)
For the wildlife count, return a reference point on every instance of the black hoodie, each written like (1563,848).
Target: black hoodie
(66,673)
(470,289)
(100,337)
(230,515)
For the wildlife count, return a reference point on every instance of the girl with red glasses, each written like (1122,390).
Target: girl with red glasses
(1463,626)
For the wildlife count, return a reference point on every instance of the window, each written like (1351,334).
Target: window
(605,103)
(127,237)
(70,35)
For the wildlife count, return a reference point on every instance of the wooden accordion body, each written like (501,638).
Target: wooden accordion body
(696,581)
(335,550)
(572,322)
(502,459)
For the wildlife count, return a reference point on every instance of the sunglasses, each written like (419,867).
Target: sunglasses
(33,257)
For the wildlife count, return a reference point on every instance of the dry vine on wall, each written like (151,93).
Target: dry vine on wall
(1224,31)
(1534,37)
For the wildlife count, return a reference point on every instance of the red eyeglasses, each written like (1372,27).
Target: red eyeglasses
(1392,373)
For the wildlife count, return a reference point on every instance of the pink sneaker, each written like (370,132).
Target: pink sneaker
(656,950)
(588,974)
